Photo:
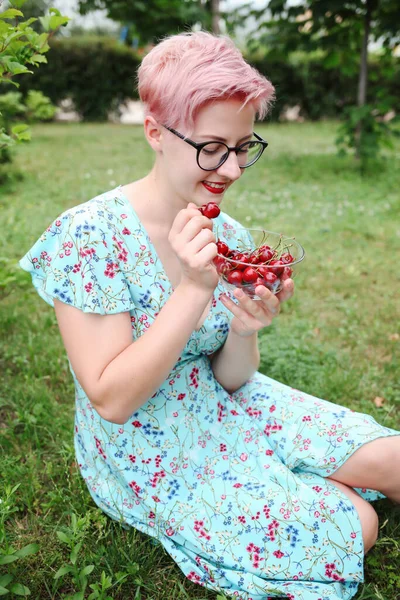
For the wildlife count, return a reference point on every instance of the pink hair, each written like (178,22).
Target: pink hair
(185,72)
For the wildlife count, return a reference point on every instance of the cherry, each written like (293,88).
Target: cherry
(222,265)
(260,281)
(276,266)
(235,277)
(210,210)
(222,248)
(250,275)
(263,270)
(270,280)
(287,272)
(287,258)
(266,255)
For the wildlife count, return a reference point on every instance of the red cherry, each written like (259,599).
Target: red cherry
(210,210)
(222,265)
(260,281)
(270,280)
(276,266)
(236,259)
(266,255)
(287,258)
(253,258)
(222,248)
(235,277)
(287,272)
(250,275)
(263,270)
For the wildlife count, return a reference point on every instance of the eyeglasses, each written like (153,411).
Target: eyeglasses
(211,155)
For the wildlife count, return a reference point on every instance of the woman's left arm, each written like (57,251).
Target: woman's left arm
(239,357)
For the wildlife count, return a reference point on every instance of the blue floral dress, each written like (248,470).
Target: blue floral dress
(233,486)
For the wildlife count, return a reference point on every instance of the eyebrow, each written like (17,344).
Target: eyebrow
(221,139)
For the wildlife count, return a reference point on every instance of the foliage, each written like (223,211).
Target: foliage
(337,338)
(8,554)
(153,19)
(36,107)
(39,107)
(342,31)
(21,48)
(375,134)
(96,73)
(108,70)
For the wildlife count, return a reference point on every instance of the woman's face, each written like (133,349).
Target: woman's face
(220,121)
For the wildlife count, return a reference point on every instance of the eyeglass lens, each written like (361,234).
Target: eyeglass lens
(214,153)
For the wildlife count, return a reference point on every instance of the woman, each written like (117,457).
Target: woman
(247,483)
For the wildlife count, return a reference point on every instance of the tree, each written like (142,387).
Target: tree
(151,20)
(20,48)
(343,31)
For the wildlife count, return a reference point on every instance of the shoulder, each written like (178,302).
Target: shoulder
(105,208)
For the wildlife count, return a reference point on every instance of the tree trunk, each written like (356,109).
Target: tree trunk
(363,76)
(215,17)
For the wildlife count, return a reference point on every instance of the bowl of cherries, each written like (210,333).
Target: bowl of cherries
(249,257)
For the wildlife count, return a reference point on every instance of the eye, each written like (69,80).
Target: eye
(214,148)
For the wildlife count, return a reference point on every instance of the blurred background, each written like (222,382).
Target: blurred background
(70,129)
(327,59)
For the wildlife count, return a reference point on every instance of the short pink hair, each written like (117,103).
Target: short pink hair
(185,72)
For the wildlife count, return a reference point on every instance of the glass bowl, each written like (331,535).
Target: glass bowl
(248,258)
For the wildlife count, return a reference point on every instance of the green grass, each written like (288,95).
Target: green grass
(338,338)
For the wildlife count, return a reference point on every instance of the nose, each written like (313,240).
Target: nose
(230,169)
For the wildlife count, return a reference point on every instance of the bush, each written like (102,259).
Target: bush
(100,73)
(96,74)
(322,92)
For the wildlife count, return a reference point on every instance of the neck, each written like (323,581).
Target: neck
(154,201)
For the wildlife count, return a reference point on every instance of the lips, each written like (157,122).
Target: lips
(215,188)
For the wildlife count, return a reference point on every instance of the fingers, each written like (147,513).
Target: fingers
(254,313)
(287,291)
(250,321)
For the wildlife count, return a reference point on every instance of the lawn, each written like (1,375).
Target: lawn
(338,338)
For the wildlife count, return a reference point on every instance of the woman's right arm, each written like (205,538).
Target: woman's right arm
(119,374)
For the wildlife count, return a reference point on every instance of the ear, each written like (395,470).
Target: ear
(153,132)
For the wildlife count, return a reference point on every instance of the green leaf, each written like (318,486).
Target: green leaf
(30,548)
(8,558)
(63,570)
(45,21)
(12,66)
(38,58)
(63,537)
(87,570)
(3,591)
(18,3)
(26,24)
(10,13)
(55,22)
(75,552)
(20,590)
(5,579)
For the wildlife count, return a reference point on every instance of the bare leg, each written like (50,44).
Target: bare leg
(376,466)
(366,514)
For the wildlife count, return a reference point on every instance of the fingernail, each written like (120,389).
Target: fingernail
(239,294)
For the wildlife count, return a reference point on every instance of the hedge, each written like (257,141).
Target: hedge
(98,74)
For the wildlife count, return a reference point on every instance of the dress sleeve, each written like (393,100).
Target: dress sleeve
(80,261)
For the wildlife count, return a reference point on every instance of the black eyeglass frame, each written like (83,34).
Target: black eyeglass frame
(236,149)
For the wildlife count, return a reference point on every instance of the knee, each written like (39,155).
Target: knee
(370,526)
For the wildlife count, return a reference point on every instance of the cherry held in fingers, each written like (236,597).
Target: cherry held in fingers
(210,210)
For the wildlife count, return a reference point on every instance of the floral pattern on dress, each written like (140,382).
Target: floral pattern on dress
(234,486)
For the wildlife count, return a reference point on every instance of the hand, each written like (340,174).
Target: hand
(253,315)
(192,239)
